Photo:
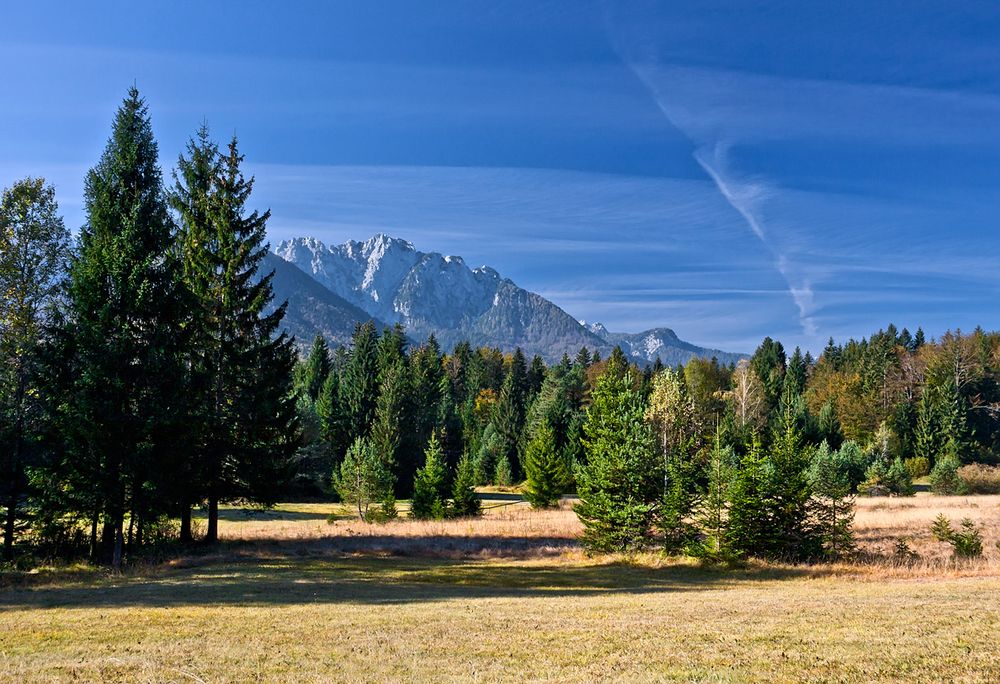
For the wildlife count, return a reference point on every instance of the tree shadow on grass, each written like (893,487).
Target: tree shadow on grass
(302,574)
(260,514)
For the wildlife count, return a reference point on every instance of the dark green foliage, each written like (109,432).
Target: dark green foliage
(121,385)
(771,507)
(966,542)
(358,389)
(944,477)
(620,483)
(768,363)
(430,487)
(711,516)
(311,375)
(546,470)
(465,503)
(390,413)
(34,249)
(241,366)
(832,489)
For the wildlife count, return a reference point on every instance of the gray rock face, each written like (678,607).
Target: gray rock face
(388,280)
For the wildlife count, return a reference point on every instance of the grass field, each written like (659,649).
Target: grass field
(291,597)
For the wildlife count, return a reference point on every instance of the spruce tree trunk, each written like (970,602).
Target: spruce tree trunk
(131,528)
(116,557)
(186,537)
(8,528)
(107,541)
(212,535)
(93,538)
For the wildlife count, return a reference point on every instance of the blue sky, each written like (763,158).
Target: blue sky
(728,169)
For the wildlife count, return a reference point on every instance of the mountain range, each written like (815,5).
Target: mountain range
(330,289)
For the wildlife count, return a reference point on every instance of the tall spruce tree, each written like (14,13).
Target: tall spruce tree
(243,365)
(359,382)
(620,484)
(123,334)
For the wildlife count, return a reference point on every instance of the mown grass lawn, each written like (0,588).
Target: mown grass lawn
(310,615)
(307,593)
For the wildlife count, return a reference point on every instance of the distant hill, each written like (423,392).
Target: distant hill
(661,343)
(332,288)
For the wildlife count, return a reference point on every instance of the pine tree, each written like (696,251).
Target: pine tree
(430,487)
(465,503)
(545,468)
(122,337)
(619,486)
(34,250)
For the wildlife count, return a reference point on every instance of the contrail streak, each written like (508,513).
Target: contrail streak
(741,197)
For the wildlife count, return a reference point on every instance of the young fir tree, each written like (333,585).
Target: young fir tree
(711,517)
(465,503)
(430,487)
(243,367)
(789,531)
(830,478)
(546,471)
(34,251)
(620,484)
(122,338)
(748,504)
(363,478)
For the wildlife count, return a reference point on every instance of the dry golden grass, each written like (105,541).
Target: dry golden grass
(510,597)
(511,529)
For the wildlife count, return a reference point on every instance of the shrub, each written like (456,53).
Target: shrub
(978,478)
(383,513)
(918,466)
(884,478)
(967,542)
(899,479)
(903,552)
(944,477)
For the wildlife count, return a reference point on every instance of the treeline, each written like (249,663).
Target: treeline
(759,458)
(145,374)
(143,368)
